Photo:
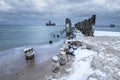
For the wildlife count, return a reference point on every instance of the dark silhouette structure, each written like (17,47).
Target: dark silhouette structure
(112,25)
(86,26)
(50,24)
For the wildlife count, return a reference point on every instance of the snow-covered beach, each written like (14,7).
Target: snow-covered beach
(59,40)
(97,59)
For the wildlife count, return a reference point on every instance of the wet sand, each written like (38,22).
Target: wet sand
(17,68)
(30,72)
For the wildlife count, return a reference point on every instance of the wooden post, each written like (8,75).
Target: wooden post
(86,26)
(68,26)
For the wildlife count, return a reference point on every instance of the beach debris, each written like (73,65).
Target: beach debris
(29,53)
(63,58)
(55,64)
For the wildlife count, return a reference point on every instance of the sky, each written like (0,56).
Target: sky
(22,12)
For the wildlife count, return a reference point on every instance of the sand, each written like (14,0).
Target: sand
(30,72)
(42,71)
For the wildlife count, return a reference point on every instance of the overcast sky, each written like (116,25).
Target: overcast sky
(40,11)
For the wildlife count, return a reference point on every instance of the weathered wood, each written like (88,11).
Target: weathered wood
(86,26)
(68,26)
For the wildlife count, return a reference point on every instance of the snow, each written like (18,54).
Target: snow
(81,66)
(119,73)
(55,58)
(101,63)
(92,79)
(106,33)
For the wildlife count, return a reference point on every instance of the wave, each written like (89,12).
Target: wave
(14,58)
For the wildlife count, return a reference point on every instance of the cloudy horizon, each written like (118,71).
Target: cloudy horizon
(40,11)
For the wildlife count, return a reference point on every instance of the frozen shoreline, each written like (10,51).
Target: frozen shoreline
(106,33)
(98,59)
(89,64)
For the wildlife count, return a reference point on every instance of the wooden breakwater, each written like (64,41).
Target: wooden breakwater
(86,26)
(68,26)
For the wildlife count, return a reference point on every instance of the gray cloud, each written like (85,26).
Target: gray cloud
(40,11)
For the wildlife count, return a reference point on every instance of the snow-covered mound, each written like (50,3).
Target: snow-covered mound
(98,58)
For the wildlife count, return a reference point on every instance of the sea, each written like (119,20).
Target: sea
(19,36)
(107,28)
(14,39)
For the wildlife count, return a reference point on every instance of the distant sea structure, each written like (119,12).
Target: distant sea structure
(112,25)
(50,24)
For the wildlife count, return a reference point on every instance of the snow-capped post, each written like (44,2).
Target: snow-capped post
(68,50)
(92,22)
(55,64)
(63,58)
(29,53)
(68,26)
(66,47)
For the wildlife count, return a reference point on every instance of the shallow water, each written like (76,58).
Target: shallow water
(13,40)
(19,36)
(14,59)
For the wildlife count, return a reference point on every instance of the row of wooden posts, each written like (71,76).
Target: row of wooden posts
(86,26)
